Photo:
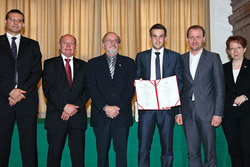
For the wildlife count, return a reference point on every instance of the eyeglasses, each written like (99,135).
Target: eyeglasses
(238,48)
(15,20)
(109,41)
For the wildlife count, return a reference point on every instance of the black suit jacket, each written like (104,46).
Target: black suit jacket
(172,65)
(58,93)
(29,74)
(207,86)
(118,91)
(241,87)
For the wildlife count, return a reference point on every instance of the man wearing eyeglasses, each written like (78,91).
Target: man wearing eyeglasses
(20,72)
(110,80)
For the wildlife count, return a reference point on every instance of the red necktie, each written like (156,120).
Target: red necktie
(68,71)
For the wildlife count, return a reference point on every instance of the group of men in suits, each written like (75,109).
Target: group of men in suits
(68,83)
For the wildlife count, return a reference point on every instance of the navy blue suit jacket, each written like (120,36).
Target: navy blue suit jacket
(172,65)
(59,93)
(118,91)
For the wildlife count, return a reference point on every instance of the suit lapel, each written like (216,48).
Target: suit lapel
(61,68)
(201,64)
(186,58)
(105,66)
(76,70)
(22,45)
(5,43)
(242,73)
(148,62)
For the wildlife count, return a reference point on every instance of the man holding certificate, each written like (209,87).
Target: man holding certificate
(155,64)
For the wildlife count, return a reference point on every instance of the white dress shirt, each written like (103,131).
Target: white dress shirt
(193,63)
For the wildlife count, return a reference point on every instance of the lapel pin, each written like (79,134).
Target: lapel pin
(245,66)
(120,65)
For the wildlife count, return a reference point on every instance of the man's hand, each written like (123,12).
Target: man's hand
(70,109)
(178,119)
(17,94)
(12,102)
(65,116)
(112,111)
(166,108)
(216,120)
(239,100)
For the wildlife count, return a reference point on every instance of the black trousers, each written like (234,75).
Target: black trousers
(236,127)
(27,129)
(56,140)
(103,140)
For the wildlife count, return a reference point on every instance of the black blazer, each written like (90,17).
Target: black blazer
(118,91)
(58,93)
(241,87)
(172,65)
(29,74)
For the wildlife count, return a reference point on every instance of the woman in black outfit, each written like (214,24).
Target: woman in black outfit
(236,121)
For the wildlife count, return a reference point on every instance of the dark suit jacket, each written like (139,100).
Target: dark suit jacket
(118,91)
(207,86)
(29,74)
(58,93)
(241,87)
(172,65)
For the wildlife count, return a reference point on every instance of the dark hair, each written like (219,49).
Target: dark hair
(158,26)
(237,39)
(196,27)
(14,11)
(104,37)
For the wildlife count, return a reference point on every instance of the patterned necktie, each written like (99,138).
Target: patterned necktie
(157,66)
(112,67)
(68,71)
(14,53)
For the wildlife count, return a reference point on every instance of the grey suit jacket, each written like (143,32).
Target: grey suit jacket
(207,86)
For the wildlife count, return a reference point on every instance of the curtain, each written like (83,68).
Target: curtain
(89,20)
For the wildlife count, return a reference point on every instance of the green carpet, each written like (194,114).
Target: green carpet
(180,149)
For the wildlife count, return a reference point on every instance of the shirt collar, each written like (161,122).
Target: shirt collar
(198,54)
(161,51)
(64,57)
(9,36)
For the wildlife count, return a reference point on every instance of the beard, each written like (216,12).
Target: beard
(112,51)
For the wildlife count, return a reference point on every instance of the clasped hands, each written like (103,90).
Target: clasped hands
(68,111)
(16,95)
(112,111)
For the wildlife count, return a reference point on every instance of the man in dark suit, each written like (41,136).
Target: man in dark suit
(110,80)
(169,65)
(202,98)
(64,86)
(20,72)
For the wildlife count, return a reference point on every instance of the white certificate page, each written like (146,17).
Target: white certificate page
(157,94)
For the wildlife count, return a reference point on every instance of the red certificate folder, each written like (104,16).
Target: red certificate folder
(156,94)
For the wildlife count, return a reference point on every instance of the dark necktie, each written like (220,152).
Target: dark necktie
(157,66)
(14,52)
(68,71)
